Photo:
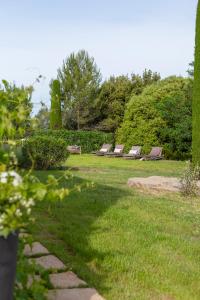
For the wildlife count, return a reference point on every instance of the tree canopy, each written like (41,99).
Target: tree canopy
(115,93)
(79,78)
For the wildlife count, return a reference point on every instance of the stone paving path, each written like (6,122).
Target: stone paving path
(66,284)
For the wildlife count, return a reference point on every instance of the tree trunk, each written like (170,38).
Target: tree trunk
(78,118)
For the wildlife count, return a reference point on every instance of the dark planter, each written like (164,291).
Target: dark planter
(8,260)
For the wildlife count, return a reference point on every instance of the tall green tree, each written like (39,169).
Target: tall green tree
(55,113)
(114,95)
(79,78)
(196,95)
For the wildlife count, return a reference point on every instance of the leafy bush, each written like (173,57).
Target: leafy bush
(43,152)
(15,102)
(160,116)
(88,140)
(189,180)
(141,125)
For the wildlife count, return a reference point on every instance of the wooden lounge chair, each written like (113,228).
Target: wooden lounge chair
(104,149)
(118,151)
(74,149)
(134,153)
(155,154)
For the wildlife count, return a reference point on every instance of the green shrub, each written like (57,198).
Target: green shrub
(43,152)
(88,140)
(160,116)
(141,124)
(189,180)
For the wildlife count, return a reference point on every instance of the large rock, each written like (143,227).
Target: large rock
(74,294)
(66,280)
(161,183)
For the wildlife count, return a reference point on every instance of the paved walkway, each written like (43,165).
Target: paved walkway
(66,284)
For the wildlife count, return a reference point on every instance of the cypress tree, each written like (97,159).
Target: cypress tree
(196,95)
(55,113)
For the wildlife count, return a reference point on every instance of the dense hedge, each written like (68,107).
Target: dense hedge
(43,152)
(88,140)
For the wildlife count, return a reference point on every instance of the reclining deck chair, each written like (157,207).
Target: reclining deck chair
(155,154)
(118,151)
(134,153)
(74,149)
(104,149)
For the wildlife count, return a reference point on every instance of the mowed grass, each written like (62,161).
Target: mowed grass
(126,243)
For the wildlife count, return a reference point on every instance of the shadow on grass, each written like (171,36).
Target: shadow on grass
(66,228)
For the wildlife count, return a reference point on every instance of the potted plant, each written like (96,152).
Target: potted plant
(8,260)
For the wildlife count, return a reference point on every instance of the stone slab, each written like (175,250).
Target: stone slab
(50,262)
(35,249)
(31,279)
(74,294)
(161,183)
(66,280)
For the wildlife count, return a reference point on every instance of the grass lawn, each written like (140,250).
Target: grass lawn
(126,243)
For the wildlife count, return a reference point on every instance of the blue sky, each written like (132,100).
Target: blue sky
(123,36)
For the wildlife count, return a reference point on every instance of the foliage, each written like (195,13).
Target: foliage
(190,71)
(115,93)
(18,196)
(15,109)
(161,115)
(18,192)
(79,78)
(196,97)
(140,82)
(42,118)
(141,123)
(88,140)
(43,152)
(189,180)
(55,113)
(176,110)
